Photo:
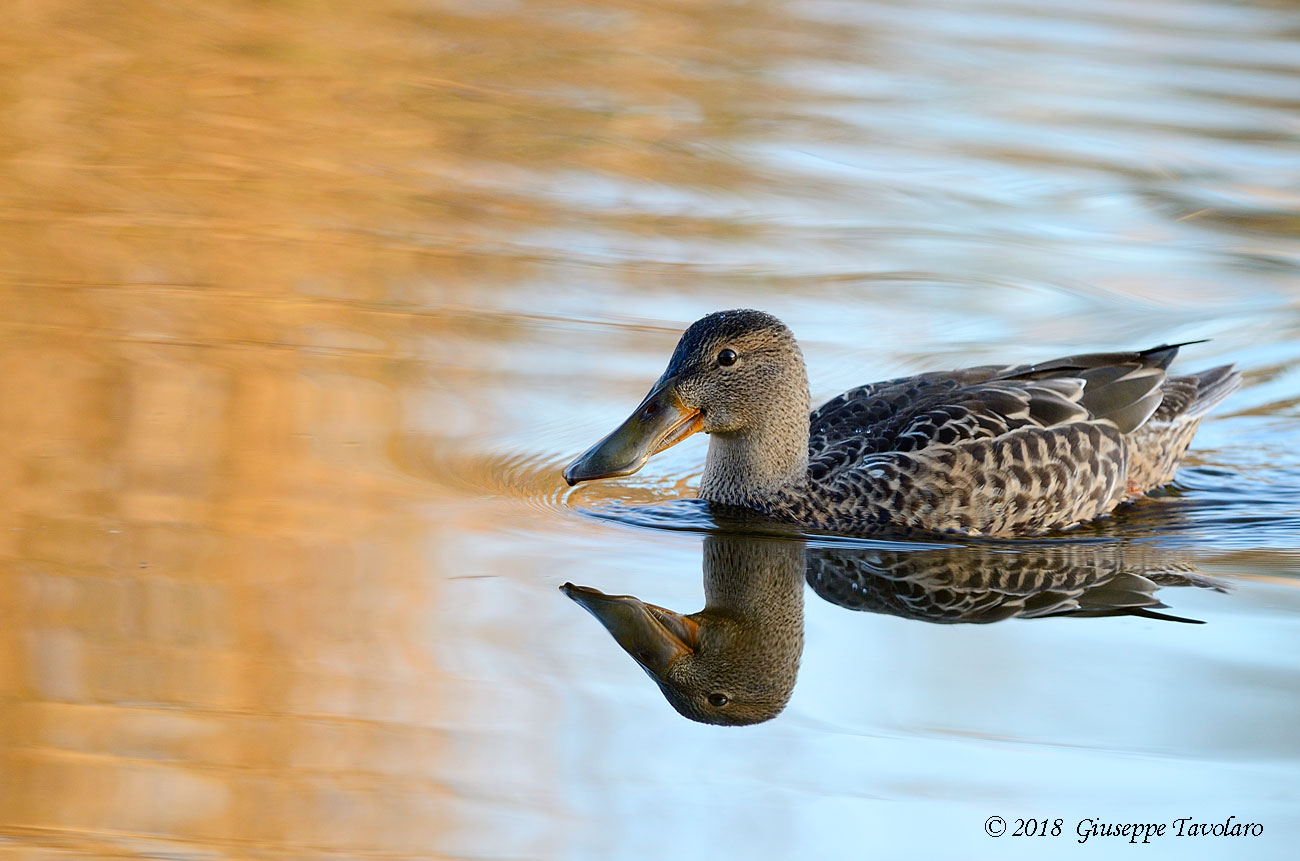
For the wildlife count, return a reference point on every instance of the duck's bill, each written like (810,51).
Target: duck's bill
(653,636)
(659,422)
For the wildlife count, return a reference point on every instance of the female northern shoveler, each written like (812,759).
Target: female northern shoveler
(990,451)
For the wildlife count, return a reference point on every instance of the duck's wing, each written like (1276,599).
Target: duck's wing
(946,407)
(999,450)
(915,413)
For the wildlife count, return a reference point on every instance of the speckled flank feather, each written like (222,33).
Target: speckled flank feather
(1026,481)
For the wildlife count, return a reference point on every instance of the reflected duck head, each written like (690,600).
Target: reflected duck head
(710,667)
(737,375)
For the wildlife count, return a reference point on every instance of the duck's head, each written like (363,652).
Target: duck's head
(711,668)
(733,374)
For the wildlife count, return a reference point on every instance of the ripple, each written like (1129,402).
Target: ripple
(1206,506)
(534,478)
(530,477)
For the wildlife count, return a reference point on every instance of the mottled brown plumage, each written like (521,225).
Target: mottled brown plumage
(996,451)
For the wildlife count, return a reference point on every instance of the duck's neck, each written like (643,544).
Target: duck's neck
(756,580)
(754,594)
(750,467)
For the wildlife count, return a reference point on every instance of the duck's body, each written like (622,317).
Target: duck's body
(990,451)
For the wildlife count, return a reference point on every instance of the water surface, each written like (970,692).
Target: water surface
(303,307)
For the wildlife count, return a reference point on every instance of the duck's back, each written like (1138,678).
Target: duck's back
(1003,451)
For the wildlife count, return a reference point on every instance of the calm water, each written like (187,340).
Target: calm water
(303,307)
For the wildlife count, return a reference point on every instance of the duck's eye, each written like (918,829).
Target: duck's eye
(719,700)
(727,357)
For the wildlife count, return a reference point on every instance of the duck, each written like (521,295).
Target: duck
(736,662)
(995,451)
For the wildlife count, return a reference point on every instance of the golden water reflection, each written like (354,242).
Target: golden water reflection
(355,153)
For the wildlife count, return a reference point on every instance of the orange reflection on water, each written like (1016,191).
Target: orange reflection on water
(226,231)
(210,600)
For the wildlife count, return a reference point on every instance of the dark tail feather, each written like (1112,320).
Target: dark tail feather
(1189,397)
(1163,355)
(1212,387)
(1165,617)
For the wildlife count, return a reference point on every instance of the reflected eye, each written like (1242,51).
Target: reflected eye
(727,357)
(719,700)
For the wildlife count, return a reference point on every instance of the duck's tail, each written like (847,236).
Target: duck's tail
(1194,395)
(1157,447)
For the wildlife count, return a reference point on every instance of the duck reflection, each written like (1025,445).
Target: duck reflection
(735,661)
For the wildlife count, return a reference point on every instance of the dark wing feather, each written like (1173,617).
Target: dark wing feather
(945,408)
(910,414)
